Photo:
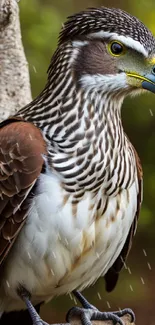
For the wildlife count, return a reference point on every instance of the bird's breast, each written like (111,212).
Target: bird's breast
(64,246)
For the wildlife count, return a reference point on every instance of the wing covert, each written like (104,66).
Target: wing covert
(112,275)
(21,160)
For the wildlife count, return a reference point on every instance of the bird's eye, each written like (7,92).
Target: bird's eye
(116,48)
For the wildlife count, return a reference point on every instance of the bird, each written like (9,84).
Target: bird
(70,179)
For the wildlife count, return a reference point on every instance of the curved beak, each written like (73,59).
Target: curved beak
(149,82)
(146,81)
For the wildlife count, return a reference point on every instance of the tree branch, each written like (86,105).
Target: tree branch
(14,75)
(76,321)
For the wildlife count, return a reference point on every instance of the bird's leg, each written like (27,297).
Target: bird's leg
(83,301)
(25,296)
(90,312)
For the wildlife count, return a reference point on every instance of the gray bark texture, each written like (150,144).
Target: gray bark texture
(15,84)
(14,75)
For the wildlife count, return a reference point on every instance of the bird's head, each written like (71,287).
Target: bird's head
(114,51)
(103,55)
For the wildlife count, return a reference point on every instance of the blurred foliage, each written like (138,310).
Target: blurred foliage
(41,21)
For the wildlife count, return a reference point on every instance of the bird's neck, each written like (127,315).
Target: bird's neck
(71,116)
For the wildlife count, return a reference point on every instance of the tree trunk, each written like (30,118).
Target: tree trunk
(14,75)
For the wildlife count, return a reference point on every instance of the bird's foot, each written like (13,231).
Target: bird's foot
(90,312)
(83,301)
(87,315)
(125,311)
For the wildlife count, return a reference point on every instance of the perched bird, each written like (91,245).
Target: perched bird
(70,179)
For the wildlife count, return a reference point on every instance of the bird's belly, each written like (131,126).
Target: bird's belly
(60,249)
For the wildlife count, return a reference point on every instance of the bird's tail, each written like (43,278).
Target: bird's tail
(18,317)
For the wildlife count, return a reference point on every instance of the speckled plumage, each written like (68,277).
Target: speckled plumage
(111,20)
(82,210)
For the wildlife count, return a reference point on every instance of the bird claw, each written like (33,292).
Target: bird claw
(124,312)
(87,315)
(90,312)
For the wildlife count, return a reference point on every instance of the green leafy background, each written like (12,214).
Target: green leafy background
(41,21)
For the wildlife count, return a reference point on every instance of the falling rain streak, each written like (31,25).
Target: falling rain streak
(66,241)
(125,266)
(29,255)
(8,284)
(52,272)
(149,266)
(151,113)
(142,280)
(70,296)
(97,254)
(144,251)
(75,301)
(108,304)
(34,69)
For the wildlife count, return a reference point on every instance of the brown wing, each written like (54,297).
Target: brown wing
(21,160)
(112,275)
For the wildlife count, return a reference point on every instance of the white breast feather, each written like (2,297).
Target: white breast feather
(46,256)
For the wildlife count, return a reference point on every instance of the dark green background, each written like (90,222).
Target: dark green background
(41,21)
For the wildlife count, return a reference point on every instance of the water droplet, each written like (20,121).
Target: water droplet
(75,301)
(142,280)
(59,237)
(54,254)
(108,304)
(8,284)
(125,266)
(149,266)
(34,68)
(52,272)
(144,251)
(70,296)
(29,255)
(151,113)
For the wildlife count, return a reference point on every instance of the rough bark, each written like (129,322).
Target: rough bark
(14,75)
